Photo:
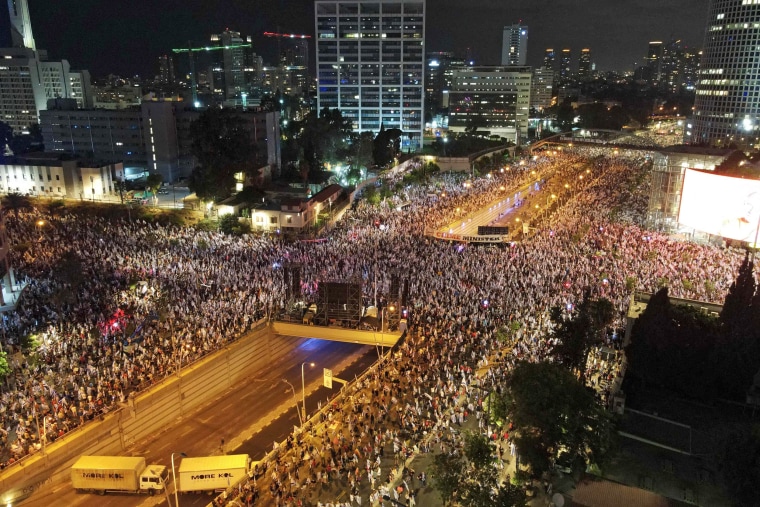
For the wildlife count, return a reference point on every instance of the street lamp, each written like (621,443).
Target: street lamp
(300,419)
(303,389)
(174,478)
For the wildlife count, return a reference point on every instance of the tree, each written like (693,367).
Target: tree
(222,145)
(153,183)
(361,155)
(580,332)
(55,207)
(510,495)
(679,347)
(228,223)
(386,146)
(735,313)
(480,477)
(16,202)
(5,368)
(322,138)
(371,194)
(447,471)
(565,115)
(552,410)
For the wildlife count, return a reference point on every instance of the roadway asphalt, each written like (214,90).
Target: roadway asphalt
(250,417)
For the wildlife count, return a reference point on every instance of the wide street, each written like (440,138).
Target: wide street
(250,417)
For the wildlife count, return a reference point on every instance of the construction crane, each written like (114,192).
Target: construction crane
(279,36)
(190,50)
(286,35)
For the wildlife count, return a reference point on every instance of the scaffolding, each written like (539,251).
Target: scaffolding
(339,303)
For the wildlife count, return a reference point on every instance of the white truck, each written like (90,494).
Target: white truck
(211,473)
(122,474)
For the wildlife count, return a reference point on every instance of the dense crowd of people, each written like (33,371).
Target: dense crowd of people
(113,307)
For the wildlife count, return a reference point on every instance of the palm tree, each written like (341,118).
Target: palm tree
(153,184)
(16,202)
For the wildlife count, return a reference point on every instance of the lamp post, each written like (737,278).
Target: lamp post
(303,389)
(300,419)
(387,498)
(174,478)
(166,487)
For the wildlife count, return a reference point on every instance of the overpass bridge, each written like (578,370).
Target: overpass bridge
(337,334)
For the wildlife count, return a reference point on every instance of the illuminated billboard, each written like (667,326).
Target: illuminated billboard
(720,205)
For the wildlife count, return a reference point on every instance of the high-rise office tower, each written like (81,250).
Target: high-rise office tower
(27,79)
(727,105)
(653,61)
(514,45)
(21,24)
(228,70)
(584,64)
(691,60)
(565,69)
(166,69)
(21,96)
(371,63)
(439,71)
(294,60)
(541,87)
(550,59)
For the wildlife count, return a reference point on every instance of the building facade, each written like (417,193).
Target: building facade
(166,70)
(21,94)
(541,87)
(228,70)
(668,169)
(550,59)
(153,137)
(727,105)
(584,64)
(371,64)
(55,176)
(494,99)
(653,61)
(439,72)
(28,79)
(565,64)
(514,45)
(21,25)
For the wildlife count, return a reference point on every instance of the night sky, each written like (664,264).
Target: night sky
(126,37)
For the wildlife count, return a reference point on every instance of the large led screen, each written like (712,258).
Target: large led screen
(720,205)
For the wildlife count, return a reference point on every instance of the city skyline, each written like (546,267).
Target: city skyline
(141,34)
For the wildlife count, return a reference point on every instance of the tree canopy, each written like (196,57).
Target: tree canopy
(585,328)
(735,313)
(688,351)
(446,472)
(552,410)
(223,146)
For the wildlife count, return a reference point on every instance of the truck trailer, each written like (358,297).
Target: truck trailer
(211,473)
(122,474)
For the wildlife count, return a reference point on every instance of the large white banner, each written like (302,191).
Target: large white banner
(720,205)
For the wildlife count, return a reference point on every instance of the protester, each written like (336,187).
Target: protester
(131,302)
